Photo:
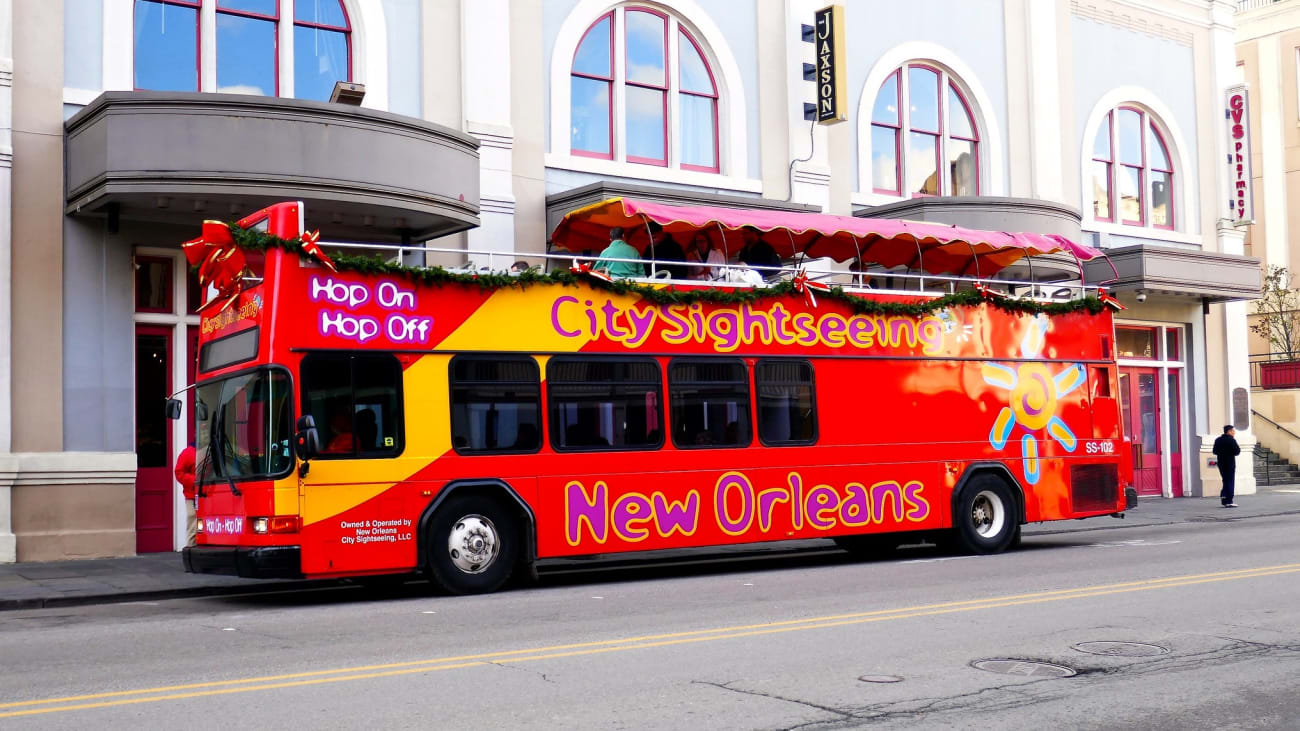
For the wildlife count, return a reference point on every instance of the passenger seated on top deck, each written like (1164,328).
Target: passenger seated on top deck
(759,253)
(619,249)
(702,252)
(860,277)
(665,252)
(520,267)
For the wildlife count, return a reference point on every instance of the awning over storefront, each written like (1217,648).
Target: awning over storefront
(1165,271)
(928,247)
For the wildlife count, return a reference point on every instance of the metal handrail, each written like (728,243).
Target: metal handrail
(1290,433)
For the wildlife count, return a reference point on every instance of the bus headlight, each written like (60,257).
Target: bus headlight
(260,525)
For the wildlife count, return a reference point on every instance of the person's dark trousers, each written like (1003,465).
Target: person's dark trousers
(1229,475)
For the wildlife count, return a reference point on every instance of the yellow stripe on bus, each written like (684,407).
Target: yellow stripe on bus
(336,487)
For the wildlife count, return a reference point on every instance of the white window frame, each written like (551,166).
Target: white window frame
(369,58)
(179,321)
(732,142)
(992,181)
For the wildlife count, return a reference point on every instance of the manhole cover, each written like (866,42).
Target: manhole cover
(1025,668)
(1121,649)
(880,679)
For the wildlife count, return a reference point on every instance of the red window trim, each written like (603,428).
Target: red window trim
(196,5)
(346,29)
(897,75)
(974,139)
(1142,177)
(713,82)
(945,81)
(275,44)
(1164,147)
(170,297)
(1110,168)
(663,90)
(936,134)
(609,108)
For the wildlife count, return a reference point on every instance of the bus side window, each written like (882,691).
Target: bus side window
(496,404)
(710,403)
(356,401)
(787,403)
(599,403)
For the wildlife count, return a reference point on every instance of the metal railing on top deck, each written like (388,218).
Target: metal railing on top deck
(731,275)
(1247,5)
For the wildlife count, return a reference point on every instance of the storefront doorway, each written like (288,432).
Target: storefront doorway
(166,332)
(1150,391)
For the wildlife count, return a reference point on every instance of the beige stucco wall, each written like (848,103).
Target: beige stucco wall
(37,227)
(528,109)
(73,505)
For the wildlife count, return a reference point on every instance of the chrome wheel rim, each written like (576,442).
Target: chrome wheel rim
(473,544)
(988,514)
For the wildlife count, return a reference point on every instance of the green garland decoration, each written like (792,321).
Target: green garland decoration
(437,276)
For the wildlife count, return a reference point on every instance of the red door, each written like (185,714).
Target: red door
(1139,391)
(153,442)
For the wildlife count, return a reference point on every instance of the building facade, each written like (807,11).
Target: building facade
(1268,67)
(484,121)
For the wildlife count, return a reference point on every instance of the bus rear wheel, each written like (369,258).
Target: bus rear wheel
(473,545)
(985,517)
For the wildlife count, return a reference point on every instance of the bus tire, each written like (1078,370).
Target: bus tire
(473,545)
(869,546)
(985,519)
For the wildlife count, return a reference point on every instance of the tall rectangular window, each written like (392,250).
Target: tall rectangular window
(496,405)
(787,407)
(604,403)
(167,45)
(710,403)
(247,47)
(356,400)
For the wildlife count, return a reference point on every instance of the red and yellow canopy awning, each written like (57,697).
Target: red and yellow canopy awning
(928,247)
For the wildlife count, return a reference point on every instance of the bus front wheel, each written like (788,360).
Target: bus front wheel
(473,545)
(984,520)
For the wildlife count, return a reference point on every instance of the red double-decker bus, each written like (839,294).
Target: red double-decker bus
(358,417)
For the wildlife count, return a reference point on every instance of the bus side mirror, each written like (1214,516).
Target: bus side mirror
(173,408)
(307,440)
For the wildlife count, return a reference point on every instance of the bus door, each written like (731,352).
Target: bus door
(1139,390)
(352,510)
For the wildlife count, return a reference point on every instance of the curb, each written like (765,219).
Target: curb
(568,566)
(54,602)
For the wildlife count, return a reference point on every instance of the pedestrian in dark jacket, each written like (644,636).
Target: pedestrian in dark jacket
(1226,449)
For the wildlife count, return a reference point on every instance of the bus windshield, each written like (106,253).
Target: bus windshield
(243,429)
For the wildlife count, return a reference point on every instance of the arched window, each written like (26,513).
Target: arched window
(249,57)
(924,140)
(1132,171)
(641,81)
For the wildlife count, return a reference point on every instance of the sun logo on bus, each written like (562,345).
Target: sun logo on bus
(1035,394)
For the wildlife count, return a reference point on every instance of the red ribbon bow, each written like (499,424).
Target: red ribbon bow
(220,262)
(1106,299)
(583,268)
(311,245)
(805,285)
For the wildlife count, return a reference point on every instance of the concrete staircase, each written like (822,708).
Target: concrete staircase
(1273,469)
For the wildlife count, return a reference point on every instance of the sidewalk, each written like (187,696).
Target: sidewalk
(161,575)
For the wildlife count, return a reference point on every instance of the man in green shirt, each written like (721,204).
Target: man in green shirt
(619,249)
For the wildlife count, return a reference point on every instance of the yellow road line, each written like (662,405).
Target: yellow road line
(364,672)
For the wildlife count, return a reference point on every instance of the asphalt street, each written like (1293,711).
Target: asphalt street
(1205,615)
